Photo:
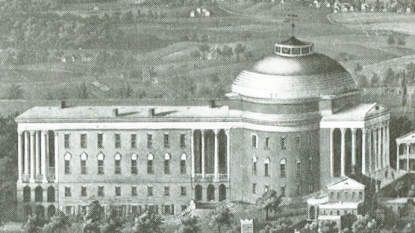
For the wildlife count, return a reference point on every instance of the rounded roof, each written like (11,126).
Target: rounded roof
(293,74)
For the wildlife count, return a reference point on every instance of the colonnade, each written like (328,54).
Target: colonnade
(362,149)
(33,155)
(201,153)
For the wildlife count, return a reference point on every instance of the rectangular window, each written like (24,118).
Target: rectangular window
(149,141)
(182,140)
(101,191)
(309,139)
(182,166)
(254,141)
(266,169)
(254,169)
(134,191)
(267,143)
(117,166)
(282,171)
(184,207)
(67,167)
(83,167)
(100,139)
(100,166)
(150,169)
(298,170)
(360,195)
(166,209)
(67,142)
(298,140)
(166,141)
(83,141)
(68,192)
(254,188)
(83,191)
(283,191)
(167,166)
(183,191)
(283,143)
(117,140)
(150,190)
(166,191)
(133,140)
(353,195)
(134,169)
(117,191)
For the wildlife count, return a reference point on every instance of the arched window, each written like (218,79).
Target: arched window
(254,165)
(150,169)
(167,163)
(283,163)
(183,164)
(67,158)
(101,158)
(117,163)
(51,194)
(84,157)
(266,167)
(38,194)
(134,158)
(26,194)
(298,168)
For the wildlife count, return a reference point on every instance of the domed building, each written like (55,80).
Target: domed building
(293,122)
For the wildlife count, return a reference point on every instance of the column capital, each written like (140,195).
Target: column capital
(343,130)
(227,132)
(56,133)
(216,131)
(32,133)
(20,132)
(353,130)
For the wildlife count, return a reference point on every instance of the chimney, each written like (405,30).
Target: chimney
(115,112)
(63,104)
(151,112)
(212,103)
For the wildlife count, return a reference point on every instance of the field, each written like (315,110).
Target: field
(164,46)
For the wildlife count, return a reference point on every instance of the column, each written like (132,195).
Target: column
(397,157)
(387,145)
(32,156)
(26,152)
(370,149)
(353,150)
(385,159)
(19,156)
(216,168)
(375,147)
(379,131)
(228,152)
(332,152)
(363,151)
(407,156)
(343,152)
(203,153)
(56,156)
(38,163)
(192,147)
(43,146)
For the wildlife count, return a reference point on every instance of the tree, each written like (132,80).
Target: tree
(328,227)
(227,51)
(389,76)
(93,218)
(221,216)
(189,225)
(33,224)
(269,202)
(401,40)
(204,48)
(239,48)
(15,92)
(113,223)
(391,40)
(83,91)
(60,222)
(149,222)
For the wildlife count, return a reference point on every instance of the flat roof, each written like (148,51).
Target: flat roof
(340,205)
(127,113)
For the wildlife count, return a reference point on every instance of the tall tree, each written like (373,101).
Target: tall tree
(221,216)
(204,48)
(239,48)
(149,222)
(190,224)
(93,218)
(270,201)
(60,222)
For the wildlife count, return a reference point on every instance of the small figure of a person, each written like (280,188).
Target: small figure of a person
(393,175)
(386,173)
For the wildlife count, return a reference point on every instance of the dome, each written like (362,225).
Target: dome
(294,71)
